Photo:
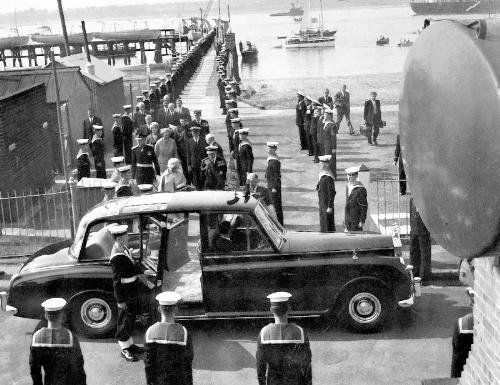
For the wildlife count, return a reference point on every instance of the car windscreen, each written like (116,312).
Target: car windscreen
(272,227)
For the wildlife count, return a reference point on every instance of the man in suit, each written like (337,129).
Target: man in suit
(343,105)
(139,116)
(168,115)
(373,118)
(128,133)
(198,121)
(181,136)
(326,98)
(88,124)
(196,152)
(182,111)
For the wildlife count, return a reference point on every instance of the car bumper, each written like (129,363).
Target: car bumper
(415,289)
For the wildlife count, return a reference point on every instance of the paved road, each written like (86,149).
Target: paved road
(416,345)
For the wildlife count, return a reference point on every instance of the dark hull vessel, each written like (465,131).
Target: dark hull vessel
(455,7)
(294,11)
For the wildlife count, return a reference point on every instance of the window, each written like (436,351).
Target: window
(232,234)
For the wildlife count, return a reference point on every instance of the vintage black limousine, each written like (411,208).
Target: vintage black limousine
(224,253)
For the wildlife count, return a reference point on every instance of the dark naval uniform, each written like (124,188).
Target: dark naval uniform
(356,207)
(203,124)
(168,355)
(300,114)
(283,355)
(83,165)
(58,352)
(125,290)
(144,164)
(99,161)
(245,160)
(126,189)
(326,197)
(213,174)
(116,130)
(195,154)
(463,337)
(273,176)
(398,157)
(127,132)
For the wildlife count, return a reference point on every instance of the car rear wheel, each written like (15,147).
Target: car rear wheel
(364,307)
(94,314)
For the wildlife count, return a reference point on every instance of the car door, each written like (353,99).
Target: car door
(240,271)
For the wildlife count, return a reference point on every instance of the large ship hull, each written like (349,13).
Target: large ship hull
(455,7)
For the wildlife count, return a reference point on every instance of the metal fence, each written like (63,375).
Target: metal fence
(392,207)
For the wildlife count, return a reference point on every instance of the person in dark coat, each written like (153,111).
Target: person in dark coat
(326,99)
(125,290)
(307,125)
(283,352)
(356,206)
(181,137)
(420,245)
(56,349)
(168,115)
(213,170)
(245,155)
(202,123)
(168,347)
(145,165)
(210,139)
(116,131)
(398,160)
(83,159)
(221,84)
(273,177)
(98,151)
(196,152)
(326,195)
(328,139)
(139,116)
(146,100)
(373,118)
(343,105)
(88,124)
(300,114)
(182,111)
(128,133)
(314,129)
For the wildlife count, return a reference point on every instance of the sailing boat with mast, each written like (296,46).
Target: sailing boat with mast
(309,37)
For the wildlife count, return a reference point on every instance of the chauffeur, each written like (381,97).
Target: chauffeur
(144,162)
(56,350)
(168,347)
(125,290)
(273,176)
(326,195)
(283,353)
(356,205)
(83,160)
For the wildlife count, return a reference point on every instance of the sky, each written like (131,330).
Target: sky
(10,6)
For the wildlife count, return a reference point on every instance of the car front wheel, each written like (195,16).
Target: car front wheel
(364,307)
(94,314)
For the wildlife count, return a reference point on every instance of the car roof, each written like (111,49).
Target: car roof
(178,201)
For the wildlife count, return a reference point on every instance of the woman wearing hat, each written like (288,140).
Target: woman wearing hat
(172,179)
(165,148)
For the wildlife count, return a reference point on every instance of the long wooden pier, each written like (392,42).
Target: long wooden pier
(124,44)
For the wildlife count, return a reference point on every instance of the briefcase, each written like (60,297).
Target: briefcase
(363,130)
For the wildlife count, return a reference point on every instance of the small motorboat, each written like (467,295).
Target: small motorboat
(405,43)
(248,51)
(382,40)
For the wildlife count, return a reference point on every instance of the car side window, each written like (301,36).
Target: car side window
(232,234)
(99,243)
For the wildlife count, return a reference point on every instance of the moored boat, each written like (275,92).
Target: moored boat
(382,40)
(294,11)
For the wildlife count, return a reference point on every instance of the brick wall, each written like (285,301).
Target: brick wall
(483,364)
(25,145)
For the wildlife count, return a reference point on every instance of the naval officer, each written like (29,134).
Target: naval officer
(168,347)
(56,349)
(283,352)
(326,195)
(273,176)
(356,205)
(83,160)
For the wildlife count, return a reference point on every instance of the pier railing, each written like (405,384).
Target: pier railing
(392,207)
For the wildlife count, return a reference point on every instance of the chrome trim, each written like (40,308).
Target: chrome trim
(406,303)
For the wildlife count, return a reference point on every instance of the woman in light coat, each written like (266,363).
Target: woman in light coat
(165,149)
(173,178)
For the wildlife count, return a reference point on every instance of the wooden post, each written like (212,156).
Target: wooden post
(63,25)
(131,97)
(35,56)
(110,51)
(143,52)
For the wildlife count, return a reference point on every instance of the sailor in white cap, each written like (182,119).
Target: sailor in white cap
(328,138)
(98,150)
(356,205)
(273,177)
(221,83)
(145,165)
(283,352)
(168,347)
(117,162)
(116,131)
(210,139)
(88,123)
(83,159)
(202,123)
(300,118)
(213,170)
(56,349)
(326,195)
(108,187)
(125,290)
(127,133)
(126,186)
(245,155)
